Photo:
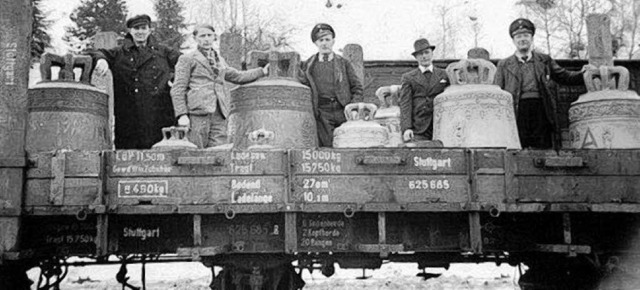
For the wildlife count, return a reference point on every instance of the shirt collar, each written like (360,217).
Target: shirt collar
(423,69)
(519,56)
(320,58)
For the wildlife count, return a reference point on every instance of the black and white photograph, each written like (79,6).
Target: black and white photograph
(320,144)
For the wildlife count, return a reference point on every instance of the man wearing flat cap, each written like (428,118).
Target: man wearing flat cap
(526,75)
(333,82)
(419,87)
(142,71)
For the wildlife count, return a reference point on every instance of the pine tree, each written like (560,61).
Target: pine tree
(93,16)
(40,38)
(170,22)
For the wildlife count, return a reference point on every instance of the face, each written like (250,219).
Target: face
(424,57)
(325,43)
(206,38)
(523,41)
(140,33)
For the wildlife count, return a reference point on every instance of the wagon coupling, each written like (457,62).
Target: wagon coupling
(494,211)
(230,214)
(81,214)
(349,212)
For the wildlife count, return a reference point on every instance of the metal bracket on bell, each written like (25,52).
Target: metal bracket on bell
(281,64)
(471,71)
(67,64)
(360,111)
(607,78)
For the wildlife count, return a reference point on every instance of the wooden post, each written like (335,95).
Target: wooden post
(599,40)
(353,52)
(106,40)
(15,58)
(231,49)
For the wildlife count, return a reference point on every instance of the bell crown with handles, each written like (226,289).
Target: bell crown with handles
(67,64)
(606,78)
(471,71)
(281,64)
(360,111)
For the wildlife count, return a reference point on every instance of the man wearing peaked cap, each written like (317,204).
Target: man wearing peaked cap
(333,82)
(522,25)
(137,20)
(321,30)
(142,71)
(526,75)
(419,87)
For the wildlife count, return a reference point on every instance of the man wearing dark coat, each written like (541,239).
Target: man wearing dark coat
(527,75)
(419,87)
(142,70)
(333,82)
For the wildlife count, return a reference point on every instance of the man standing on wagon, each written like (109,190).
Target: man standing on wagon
(527,75)
(142,71)
(419,87)
(333,81)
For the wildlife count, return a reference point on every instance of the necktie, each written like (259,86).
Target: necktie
(524,58)
(325,57)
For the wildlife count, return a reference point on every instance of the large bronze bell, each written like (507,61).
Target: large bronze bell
(278,103)
(64,113)
(360,131)
(608,115)
(473,112)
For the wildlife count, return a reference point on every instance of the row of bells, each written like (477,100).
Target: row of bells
(276,112)
(473,112)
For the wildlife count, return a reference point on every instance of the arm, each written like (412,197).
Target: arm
(172,58)
(180,86)
(103,59)
(107,54)
(562,76)
(499,77)
(355,83)
(242,77)
(406,105)
(301,75)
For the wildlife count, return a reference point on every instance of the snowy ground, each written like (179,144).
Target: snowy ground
(390,276)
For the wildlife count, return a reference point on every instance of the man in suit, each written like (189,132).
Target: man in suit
(333,82)
(419,87)
(142,70)
(200,93)
(526,75)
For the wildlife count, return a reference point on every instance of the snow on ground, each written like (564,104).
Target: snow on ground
(391,276)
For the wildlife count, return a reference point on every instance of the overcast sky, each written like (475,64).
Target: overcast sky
(386,29)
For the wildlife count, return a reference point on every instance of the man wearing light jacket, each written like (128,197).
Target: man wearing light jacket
(200,93)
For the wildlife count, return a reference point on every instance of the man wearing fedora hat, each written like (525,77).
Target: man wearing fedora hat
(526,75)
(419,87)
(333,82)
(142,70)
